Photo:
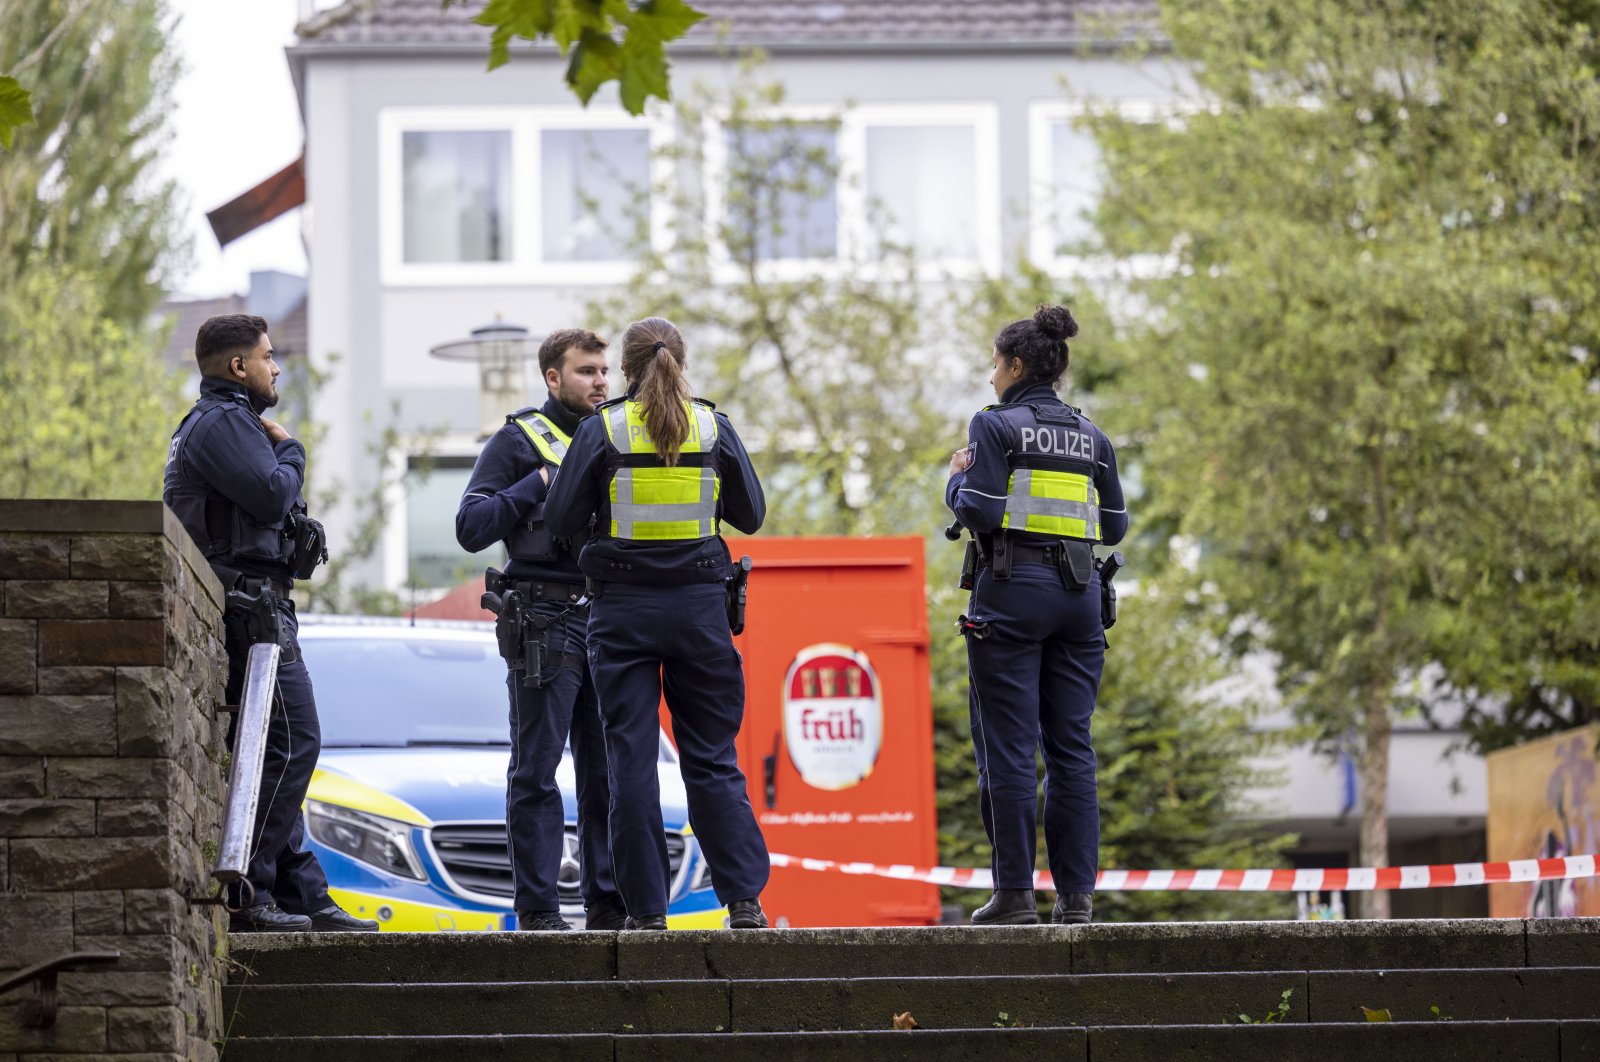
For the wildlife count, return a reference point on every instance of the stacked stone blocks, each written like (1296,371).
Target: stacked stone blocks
(111,777)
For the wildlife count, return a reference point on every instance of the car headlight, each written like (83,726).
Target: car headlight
(370,839)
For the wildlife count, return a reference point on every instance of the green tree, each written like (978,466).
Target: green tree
(87,231)
(1364,385)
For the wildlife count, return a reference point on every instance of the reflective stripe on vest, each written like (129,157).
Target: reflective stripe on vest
(651,501)
(549,440)
(1060,504)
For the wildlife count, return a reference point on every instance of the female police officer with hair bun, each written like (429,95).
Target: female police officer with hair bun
(662,471)
(1037,486)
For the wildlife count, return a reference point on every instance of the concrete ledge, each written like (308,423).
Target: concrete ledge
(480,1009)
(410,958)
(597,1048)
(947,951)
(1463,995)
(1353,945)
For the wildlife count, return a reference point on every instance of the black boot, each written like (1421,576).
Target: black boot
(1008,907)
(1072,909)
(655,922)
(542,922)
(746,914)
(334,919)
(607,916)
(267,918)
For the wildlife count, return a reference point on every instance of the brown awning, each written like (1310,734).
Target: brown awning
(273,197)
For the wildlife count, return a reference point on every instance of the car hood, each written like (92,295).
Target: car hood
(428,785)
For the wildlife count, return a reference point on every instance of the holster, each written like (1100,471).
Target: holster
(1108,569)
(737,588)
(969,564)
(521,632)
(251,617)
(1000,555)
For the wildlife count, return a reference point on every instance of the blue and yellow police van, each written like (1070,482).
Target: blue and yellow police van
(407,808)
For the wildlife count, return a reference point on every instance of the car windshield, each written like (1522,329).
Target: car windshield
(422,689)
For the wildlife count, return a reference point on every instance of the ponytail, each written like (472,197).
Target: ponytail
(653,359)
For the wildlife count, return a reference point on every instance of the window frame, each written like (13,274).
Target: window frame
(525,125)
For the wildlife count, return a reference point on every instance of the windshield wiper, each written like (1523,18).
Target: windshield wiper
(452,743)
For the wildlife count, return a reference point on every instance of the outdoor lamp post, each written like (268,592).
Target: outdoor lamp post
(502,352)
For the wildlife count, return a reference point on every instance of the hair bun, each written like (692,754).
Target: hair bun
(1055,322)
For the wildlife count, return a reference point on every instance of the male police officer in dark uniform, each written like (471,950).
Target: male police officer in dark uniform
(539,596)
(233,478)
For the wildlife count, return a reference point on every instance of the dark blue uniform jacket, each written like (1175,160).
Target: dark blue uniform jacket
(978,495)
(579,489)
(504,490)
(224,452)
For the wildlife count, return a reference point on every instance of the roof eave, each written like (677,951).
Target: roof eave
(1097,46)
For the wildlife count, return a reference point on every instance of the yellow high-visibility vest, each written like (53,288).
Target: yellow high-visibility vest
(650,501)
(549,440)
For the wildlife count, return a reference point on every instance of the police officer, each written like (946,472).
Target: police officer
(1037,485)
(505,502)
(658,472)
(234,478)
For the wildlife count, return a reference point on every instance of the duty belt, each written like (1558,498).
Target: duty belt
(232,579)
(1024,554)
(532,590)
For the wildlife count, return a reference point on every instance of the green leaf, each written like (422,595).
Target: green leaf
(16,109)
(1377,1015)
(644,72)
(596,60)
(662,20)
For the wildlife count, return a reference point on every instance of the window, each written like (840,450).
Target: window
(846,185)
(457,196)
(793,170)
(512,195)
(590,179)
(924,180)
(434,560)
(1067,175)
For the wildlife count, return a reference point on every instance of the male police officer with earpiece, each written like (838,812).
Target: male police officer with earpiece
(234,479)
(543,628)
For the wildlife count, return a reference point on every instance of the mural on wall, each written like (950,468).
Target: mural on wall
(1544,802)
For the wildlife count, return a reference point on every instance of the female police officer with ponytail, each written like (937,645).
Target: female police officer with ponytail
(1037,486)
(661,471)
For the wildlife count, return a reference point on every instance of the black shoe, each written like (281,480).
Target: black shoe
(542,922)
(746,914)
(607,916)
(267,918)
(1008,907)
(334,919)
(657,922)
(1072,909)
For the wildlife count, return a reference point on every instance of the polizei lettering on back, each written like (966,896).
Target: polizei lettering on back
(1060,441)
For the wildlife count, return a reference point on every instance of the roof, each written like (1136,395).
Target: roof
(777,24)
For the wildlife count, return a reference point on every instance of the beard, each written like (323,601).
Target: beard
(576,399)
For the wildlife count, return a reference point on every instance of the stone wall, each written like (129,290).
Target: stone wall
(111,777)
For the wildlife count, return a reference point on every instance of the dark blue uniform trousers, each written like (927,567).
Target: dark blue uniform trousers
(541,719)
(281,870)
(1034,677)
(643,639)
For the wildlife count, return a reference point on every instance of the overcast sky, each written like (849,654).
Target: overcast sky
(237,122)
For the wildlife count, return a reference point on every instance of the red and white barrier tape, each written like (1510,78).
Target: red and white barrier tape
(1348,879)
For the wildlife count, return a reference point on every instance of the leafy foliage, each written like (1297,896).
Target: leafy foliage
(586,33)
(87,229)
(1365,385)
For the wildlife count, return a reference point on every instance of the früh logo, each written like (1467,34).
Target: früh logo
(832,715)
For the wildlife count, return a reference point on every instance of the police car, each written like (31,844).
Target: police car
(407,808)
